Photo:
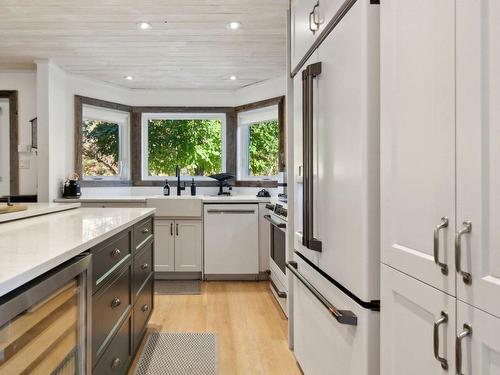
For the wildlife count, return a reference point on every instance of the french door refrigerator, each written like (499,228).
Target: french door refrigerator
(335,267)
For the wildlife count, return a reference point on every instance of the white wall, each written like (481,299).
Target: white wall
(261,91)
(25,83)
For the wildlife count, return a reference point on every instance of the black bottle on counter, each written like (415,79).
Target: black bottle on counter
(193,187)
(166,188)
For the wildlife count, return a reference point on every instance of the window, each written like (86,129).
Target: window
(193,141)
(104,144)
(258,143)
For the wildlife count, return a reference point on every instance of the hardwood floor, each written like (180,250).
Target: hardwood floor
(251,328)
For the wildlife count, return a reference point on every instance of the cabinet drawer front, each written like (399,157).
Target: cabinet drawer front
(143,266)
(108,258)
(108,307)
(117,357)
(142,310)
(143,231)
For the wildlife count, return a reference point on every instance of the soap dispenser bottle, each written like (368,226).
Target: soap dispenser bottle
(166,188)
(193,188)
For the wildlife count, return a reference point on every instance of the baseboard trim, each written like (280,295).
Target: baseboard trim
(177,275)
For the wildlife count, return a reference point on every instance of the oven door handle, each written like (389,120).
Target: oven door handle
(274,222)
(342,316)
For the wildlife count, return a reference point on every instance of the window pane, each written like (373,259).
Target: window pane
(100,148)
(263,148)
(195,145)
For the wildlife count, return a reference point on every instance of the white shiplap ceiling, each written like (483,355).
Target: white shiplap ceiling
(188,46)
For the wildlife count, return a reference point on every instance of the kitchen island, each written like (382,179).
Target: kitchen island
(76,289)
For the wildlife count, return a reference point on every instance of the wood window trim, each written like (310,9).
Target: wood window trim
(136,143)
(12,96)
(280,102)
(80,101)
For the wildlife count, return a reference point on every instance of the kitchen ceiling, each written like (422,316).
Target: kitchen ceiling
(188,46)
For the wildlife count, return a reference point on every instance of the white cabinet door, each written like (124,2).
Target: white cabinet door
(328,8)
(409,311)
(301,36)
(346,191)
(479,341)
(164,246)
(188,246)
(418,137)
(478,151)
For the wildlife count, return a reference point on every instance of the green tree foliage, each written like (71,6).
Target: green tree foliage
(100,148)
(192,144)
(264,149)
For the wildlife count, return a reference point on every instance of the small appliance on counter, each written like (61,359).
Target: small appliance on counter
(71,188)
(263,194)
(223,178)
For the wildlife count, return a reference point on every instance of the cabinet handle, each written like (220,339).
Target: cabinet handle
(145,231)
(467,228)
(115,303)
(116,252)
(171,229)
(458,347)
(116,363)
(177,229)
(145,308)
(444,224)
(145,266)
(313,23)
(443,319)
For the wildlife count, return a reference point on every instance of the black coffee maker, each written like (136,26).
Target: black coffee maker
(71,188)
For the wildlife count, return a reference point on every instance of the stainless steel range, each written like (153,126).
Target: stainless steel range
(278,217)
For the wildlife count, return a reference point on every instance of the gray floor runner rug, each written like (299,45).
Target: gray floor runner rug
(179,354)
(177,287)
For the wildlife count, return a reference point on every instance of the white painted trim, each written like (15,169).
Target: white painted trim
(178,116)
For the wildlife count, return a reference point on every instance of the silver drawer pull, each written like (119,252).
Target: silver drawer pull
(115,303)
(116,363)
(145,266)
(342,316)
(145,231)
(145,308)
(467,228)
(458,347)
(217,211)
(116,252)
(437,229)
(442,320)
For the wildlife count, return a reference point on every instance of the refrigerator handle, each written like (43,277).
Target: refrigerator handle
(342,316)
(308,76)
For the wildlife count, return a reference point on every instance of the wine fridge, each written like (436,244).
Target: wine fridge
(44,325)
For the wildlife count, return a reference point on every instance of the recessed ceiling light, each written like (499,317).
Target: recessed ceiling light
(232,78)
(129,78)
(233,25)
(144,25)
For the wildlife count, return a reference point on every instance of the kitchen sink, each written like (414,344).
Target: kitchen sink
(176,206)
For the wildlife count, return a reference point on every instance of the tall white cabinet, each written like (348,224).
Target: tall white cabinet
(440,181)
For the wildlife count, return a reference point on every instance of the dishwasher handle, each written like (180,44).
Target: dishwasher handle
(228,211)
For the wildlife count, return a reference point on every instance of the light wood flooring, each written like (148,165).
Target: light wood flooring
(250,326)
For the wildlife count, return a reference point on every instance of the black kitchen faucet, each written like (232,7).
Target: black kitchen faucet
(178,175)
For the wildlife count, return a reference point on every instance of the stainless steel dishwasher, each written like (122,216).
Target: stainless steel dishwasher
(231,241)
(44,325)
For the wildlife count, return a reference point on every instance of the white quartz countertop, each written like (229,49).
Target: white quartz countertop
(33,246)
(142,199)
(36,209)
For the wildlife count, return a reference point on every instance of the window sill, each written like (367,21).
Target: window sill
(257,183)
(105,183)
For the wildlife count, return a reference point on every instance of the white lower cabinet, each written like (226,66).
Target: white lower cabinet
(478,341)
(178,245)
(413,327)
(414,316)
(188,246)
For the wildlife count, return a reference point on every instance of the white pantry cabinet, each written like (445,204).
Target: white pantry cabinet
(178,245)
(478,341)
(478,152)
(413,316)
(418,139)
(302,37)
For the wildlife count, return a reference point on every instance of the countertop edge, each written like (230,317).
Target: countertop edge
(38,270)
